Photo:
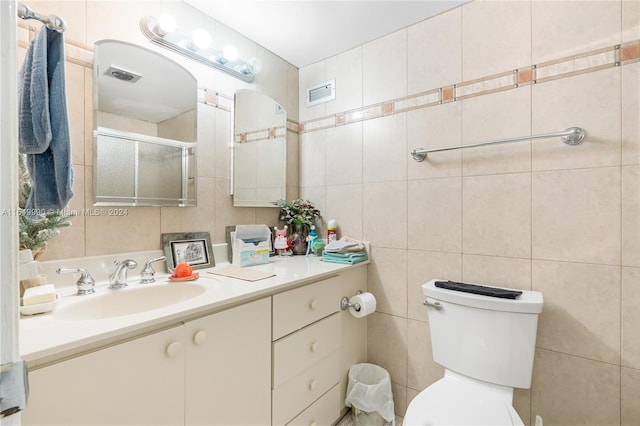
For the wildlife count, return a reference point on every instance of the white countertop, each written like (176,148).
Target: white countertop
(46,338)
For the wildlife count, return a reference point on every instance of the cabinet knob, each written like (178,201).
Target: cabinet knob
(312,385)
(314,346)
(313,304)
(312,423)
(173,349)
(200,337)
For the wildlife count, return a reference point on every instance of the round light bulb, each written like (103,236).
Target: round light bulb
(254,66)
(201,38)
(166,24)
(230,53)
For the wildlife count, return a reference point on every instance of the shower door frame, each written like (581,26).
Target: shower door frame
(9,295)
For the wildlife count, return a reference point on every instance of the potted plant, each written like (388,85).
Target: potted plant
(34,234)
(299,215)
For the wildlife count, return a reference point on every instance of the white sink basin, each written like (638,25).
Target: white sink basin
(127,301)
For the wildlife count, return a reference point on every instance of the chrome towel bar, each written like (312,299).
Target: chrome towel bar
(52,22)
(571,136)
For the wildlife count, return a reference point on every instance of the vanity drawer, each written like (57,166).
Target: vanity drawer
(300,350)
(325,411)
(292,397)
(296,308)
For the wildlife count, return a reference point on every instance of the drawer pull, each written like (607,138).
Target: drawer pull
(312,423)
(312,385)
(314,346)
(200,337)
(173,349)
(313,304)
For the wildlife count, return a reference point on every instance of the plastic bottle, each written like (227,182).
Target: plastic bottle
(332,229)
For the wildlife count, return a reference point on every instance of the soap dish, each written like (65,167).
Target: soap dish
(39,308)
(191,277)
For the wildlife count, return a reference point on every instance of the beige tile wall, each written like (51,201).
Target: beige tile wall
(537,216)
(140,229)
(542,216)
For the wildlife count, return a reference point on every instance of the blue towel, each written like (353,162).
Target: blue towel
(44,124)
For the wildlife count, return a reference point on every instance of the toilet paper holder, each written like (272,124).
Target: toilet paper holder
(345,304)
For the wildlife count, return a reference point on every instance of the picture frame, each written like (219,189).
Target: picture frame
(193,248)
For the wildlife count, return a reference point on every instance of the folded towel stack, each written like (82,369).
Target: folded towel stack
(345,251)
(347,258)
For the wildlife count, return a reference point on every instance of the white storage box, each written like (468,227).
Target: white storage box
(251,245)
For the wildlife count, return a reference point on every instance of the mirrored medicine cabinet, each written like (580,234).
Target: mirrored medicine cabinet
(259,150)
(145,128)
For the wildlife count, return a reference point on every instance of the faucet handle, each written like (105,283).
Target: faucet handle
(85,283)
(148,273)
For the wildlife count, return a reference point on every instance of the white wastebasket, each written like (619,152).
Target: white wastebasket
(369,395)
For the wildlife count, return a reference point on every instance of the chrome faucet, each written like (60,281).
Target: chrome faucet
(148,273)
(118,279)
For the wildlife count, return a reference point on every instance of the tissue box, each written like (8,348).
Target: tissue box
(251,245)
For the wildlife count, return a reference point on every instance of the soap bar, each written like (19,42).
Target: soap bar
(39,294)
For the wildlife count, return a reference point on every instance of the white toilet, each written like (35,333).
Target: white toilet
(486,345)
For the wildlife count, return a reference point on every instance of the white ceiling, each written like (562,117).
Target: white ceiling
(303,32)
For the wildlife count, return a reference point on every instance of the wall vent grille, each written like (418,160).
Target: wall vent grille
(323,92)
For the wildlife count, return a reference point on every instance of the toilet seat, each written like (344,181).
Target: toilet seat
(453,400)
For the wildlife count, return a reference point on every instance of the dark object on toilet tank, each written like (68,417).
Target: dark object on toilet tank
(479,289)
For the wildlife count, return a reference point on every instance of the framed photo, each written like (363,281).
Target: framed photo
(193,248)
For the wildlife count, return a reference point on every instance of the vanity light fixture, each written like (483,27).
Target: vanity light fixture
(201,39)
(163,32)
(229,53)
(166,24)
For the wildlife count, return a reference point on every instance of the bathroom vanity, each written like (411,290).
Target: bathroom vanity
(273,351)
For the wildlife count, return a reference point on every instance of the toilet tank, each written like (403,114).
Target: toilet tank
(487,338)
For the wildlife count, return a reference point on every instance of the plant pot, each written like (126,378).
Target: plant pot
(298,238)
(38,252)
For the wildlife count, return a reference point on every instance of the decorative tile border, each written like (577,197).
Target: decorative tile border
(215,99)
(578,64)
(587,62)
(270,133)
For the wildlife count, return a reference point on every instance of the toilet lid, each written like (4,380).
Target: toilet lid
(448,403)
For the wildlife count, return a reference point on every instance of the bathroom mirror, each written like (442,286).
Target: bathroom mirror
(259,150)
(145,128)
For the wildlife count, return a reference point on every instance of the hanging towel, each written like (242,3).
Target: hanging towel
(44,124)
(33,98)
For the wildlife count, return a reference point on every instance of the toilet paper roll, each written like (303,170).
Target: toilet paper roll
(367,303)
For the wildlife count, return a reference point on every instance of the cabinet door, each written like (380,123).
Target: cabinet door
(228,367)
(139,382)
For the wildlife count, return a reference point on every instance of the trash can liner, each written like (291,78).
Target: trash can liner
(369,390)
